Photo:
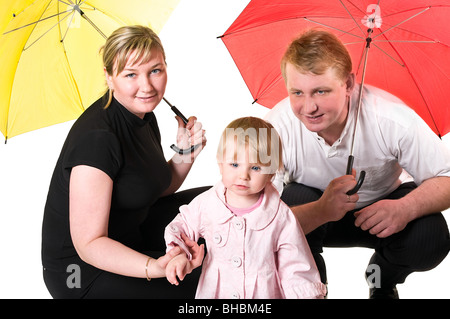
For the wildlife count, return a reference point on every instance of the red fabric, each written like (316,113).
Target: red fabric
(258,39)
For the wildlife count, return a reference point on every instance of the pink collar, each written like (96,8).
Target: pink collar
(243,211)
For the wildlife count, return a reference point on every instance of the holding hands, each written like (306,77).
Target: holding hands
(180,265)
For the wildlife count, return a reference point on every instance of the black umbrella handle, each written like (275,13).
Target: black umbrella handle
(362,175)
(185,120)
(177,112)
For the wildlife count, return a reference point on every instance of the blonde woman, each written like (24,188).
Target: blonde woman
(109,185)
(256,248)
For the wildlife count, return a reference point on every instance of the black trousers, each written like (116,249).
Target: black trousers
(99,284)
(421,246)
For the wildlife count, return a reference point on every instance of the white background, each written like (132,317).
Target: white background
(203,81)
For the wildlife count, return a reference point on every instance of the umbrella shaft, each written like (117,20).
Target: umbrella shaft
(176,111)
(366,53)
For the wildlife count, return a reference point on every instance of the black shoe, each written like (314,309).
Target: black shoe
(383,293)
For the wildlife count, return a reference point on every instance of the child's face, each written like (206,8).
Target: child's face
(242,178)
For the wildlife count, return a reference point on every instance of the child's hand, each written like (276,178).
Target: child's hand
(197,252)
(178,266)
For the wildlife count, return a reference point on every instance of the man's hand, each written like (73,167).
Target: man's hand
(331,206)
(383,218)
(334,202)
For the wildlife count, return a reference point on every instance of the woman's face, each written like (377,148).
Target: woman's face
(140,86)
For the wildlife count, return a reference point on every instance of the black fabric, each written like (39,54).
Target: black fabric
(128,149)
(96,283)
(422,245)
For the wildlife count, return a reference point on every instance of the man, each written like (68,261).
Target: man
(407,185)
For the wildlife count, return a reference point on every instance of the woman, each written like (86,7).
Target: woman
(103,196)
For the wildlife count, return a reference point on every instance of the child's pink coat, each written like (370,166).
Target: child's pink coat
(263,254)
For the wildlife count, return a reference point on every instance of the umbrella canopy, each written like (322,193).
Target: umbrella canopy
(49,52)
(409,47)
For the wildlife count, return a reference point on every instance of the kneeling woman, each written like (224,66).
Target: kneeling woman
(110,185)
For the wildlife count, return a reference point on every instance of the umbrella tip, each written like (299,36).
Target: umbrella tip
(220,36)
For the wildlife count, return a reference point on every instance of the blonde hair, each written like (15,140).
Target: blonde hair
(255,136)
(315,51)
(122,43)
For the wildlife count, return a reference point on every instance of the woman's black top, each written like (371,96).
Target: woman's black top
(125,147)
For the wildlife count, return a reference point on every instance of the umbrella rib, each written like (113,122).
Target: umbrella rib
(267,89)
(69,4)
(93,25)
(68,26)
(287,19)
(83,15)
(407,41)
(27,47)
(401,22)
(388,55)
(357,24)
(333,28)
(416,85)
(35,22)
(76,7)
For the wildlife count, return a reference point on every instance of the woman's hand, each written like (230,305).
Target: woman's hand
(188,135)
(180,265)
(157,267)
(191,134)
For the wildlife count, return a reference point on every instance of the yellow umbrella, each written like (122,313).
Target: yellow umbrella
(50,68)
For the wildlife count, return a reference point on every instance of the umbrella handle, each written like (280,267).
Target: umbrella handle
(362,175)
(185,120)
(184,151)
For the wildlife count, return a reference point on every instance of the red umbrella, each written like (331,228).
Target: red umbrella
(409,47)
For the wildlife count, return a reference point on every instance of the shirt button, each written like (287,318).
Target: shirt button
(236,261)
(217,238)
(235,295)
(174,228)
(238,224)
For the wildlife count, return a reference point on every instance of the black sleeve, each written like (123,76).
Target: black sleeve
(100,149)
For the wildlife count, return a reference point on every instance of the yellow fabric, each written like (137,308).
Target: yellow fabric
(47,81)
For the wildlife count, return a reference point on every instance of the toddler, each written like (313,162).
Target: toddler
(256,248)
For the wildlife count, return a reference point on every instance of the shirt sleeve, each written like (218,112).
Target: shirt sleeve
(296,266)
(422,154)
(188,221)
(100,149)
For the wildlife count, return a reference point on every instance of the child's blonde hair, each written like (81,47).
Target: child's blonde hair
(255,136)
